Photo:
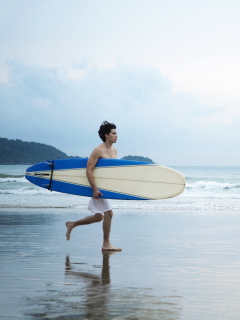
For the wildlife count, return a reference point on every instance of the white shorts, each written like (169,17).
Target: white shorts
(99,205)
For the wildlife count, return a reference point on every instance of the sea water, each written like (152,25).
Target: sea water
(180,259)
(207,188)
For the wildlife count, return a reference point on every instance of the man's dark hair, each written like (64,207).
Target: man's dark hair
(105,128)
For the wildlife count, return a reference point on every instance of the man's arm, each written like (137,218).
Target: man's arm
(92,161)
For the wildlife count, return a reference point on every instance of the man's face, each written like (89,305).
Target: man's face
(112,136)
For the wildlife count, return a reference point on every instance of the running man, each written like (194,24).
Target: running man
(100,207)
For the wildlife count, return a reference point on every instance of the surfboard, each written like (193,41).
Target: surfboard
(116,179)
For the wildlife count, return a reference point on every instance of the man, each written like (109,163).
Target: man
(100,207)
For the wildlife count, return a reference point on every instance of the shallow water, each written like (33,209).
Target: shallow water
(174,265)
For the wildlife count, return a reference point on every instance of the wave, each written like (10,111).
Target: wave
(24,192)
(201,184)
(212,189)
(212,185)
(17,184)
(13,179)
(126,207)
(196,206)
(2,175)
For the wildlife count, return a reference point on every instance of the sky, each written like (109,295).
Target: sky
(166,72)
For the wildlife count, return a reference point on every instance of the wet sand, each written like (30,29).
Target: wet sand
(174,265)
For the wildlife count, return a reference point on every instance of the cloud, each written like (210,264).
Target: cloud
(44,105)
(81,64)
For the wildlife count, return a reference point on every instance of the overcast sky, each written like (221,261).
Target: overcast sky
(166,72)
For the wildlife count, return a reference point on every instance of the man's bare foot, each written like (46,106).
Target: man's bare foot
(69,226)
(110,248)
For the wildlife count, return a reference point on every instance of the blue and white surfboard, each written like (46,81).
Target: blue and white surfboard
(116,179)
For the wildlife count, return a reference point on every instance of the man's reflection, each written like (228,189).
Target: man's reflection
(96,291)
(90,295)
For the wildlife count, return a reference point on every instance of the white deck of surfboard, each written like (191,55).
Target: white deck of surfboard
(145,181)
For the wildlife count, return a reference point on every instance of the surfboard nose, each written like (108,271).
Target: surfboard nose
(40,174)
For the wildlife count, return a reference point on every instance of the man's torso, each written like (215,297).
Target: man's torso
(105,153)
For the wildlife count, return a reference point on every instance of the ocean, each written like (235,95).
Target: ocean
(180,257)
(207,188)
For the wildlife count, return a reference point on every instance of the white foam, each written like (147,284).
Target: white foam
(13,179)
(212,185)
(28,191)
(212,189)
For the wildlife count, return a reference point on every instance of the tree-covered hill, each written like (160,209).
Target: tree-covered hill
(21,152)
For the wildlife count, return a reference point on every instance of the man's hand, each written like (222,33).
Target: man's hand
(97,194)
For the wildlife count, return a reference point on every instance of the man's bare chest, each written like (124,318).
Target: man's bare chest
(109,154)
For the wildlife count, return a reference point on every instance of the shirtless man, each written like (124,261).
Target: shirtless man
(100,207)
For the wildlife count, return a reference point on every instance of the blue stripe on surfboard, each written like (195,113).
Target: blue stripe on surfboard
(43,166)
(82,163)
(79,190)
(119,162)
(41,182)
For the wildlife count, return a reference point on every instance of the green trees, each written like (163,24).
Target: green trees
(21,152)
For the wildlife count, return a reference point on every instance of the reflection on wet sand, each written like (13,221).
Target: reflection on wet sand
(105,276)
(104,302)
(176,265)
(87,295)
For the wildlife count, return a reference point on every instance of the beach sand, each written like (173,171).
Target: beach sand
(174,265)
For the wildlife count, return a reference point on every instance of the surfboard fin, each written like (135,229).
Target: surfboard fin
(52,164)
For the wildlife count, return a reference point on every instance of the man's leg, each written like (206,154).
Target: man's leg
(106,232)
(87,220)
